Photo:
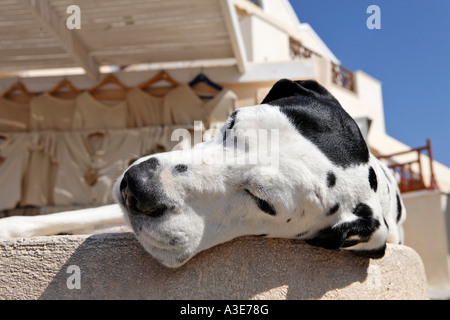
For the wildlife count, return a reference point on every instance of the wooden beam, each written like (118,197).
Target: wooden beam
(237,43)
(260,72)
(48,18)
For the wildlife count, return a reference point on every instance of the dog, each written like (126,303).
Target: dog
(322,185)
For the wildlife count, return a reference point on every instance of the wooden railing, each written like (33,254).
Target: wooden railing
(298,51)
(409,174)
(342,77)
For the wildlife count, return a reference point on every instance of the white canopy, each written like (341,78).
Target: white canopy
(34,35)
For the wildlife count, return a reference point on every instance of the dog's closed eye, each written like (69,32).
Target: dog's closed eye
(230,124)
(262,204)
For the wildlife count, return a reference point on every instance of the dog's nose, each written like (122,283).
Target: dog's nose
(141,189)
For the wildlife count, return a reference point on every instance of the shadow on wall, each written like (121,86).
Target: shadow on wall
(115,266)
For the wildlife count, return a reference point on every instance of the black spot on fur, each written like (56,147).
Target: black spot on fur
(336,236)
(319,117)
(363,210)
(333,209)
(301,234)
(328,238)
(373,179)
(288,220)
(331,179)
(262,205)
(180,168)
(399,207)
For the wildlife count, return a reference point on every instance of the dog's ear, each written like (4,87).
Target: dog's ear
(285,88)
(319,117)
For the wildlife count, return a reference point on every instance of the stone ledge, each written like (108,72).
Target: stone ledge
(114,266)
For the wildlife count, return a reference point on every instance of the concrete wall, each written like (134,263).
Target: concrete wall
(426,232)
(114,266)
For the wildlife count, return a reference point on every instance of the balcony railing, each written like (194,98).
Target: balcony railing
(342,77)
(409,174)
(298,51)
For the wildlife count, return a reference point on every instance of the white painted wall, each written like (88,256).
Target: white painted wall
(281,10)
(263,41)
(370,96)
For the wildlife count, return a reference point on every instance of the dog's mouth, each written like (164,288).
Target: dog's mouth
(170,247)
(149,227)
(176,242)
(167,227)
(170,251)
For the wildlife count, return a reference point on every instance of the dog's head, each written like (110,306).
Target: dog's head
(293,167)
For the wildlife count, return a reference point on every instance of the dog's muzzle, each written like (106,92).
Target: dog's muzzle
(141,190)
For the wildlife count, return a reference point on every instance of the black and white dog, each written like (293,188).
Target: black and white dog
(326,187)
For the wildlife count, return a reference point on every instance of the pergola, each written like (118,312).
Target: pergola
(34,34)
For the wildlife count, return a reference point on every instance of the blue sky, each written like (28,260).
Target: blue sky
(410,55)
